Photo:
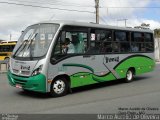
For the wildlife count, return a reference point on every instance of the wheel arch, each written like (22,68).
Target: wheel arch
(133,70)
(6,57)
(67,81)
(67,77)
(62,76)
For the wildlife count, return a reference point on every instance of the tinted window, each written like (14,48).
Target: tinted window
(138,37)
(142,42)
(122,42)
(148,37)
(100,41)
(120,36)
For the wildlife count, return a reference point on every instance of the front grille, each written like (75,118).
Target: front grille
(21,76)
(25,72)
(21,82)
(15,71)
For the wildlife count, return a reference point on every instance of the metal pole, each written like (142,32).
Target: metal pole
(158,40)
(125,21)
(97,11)
(10,36)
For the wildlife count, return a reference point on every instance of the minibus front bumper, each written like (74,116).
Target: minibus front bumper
(33,83)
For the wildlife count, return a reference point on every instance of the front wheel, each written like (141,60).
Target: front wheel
(59,87)
(129,76)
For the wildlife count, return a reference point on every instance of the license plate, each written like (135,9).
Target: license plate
(18,86)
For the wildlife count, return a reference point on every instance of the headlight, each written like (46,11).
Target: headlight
(37,70)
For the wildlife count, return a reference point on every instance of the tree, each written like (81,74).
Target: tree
(157,33)
(143,26)
(157,43)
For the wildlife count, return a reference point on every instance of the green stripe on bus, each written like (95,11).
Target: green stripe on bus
(141,64)
(79,65)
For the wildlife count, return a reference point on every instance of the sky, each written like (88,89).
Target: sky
(16,15)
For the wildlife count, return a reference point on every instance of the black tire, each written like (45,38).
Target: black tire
(59,87)
(129,76)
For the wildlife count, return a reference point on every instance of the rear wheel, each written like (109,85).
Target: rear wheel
(129,76)
(59,87)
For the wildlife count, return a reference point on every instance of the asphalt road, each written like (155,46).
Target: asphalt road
(111,97)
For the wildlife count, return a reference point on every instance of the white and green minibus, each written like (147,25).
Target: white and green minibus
(56,56)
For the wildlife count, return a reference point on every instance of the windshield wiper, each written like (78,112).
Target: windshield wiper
(24,43)
(31,40)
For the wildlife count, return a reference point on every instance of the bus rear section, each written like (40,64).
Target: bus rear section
(6,48)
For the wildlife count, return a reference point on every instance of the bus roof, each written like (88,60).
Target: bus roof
(94,25)
(8,42)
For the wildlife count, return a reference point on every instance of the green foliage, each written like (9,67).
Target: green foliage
(157,33)
(143,26)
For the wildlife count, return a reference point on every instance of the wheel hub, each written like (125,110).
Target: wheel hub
(59,86)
